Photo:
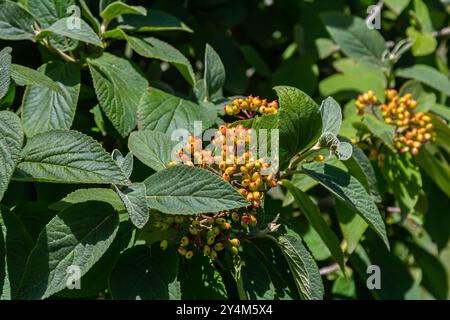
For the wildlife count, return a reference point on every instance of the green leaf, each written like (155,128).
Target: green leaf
(44,109)
(331,114)
(303,268)
(125,163)
(15,22)
(151,272)
(351,191)
(161,111)
(354,38)
(435,278)
(90,194)
(24,76)
(304,78)
(312,213)
(77,236)
(67,157)
(422,14)
(5,73)
(380,129)
(154,48)
(153,148)
(119,88)
(118,8)
(65,27)
(134,199)
(397,5)
(299,122)
(15,246)
(200,280)
(405,179)
(351,224)
(11,141)
(47,12)
(360,167)
(95,281)
(424,42)
(436,170)
(155,20)
(427,75)
(190,190)
(214,75)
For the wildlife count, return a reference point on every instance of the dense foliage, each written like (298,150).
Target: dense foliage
(131,136)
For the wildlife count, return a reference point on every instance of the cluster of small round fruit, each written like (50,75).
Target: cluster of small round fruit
(413,129)
(207,233)
(250,106)
(232,158)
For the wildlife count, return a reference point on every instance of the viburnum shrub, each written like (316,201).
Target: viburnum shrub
(137,162)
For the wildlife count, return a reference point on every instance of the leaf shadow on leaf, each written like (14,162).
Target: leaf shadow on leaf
(37,281)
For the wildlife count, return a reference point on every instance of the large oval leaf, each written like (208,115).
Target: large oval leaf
(190,190)
(119,88)
(67,157)
(77,236)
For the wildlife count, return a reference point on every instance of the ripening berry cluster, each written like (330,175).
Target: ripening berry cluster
(250,106)
(231,158)
(413,129)
(206,233)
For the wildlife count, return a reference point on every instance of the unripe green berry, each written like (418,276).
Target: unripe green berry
(189,254)
(235,242)
(163,245)
(184,241)
(219,246)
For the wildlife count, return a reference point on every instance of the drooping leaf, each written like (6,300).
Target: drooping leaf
(360,167)
(161,111)
(45,109)
(11,141)
(427,75)
(190,190)
(351,191)
(119,88)
(154,48)
(15,245)
(436,170)
(5,72)
(214,75)
(144,273)
(67,157)
(73,28)
(397,5)
(77,236)
(118,8)
(303,268)
(354,38)
(16,23)
(312,213)
(153,148)
(134,199)
(351,223)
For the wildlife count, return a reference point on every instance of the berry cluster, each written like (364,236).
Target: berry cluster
(207,233)
(232,158)
(250,106)
(230,155)
(413,129)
